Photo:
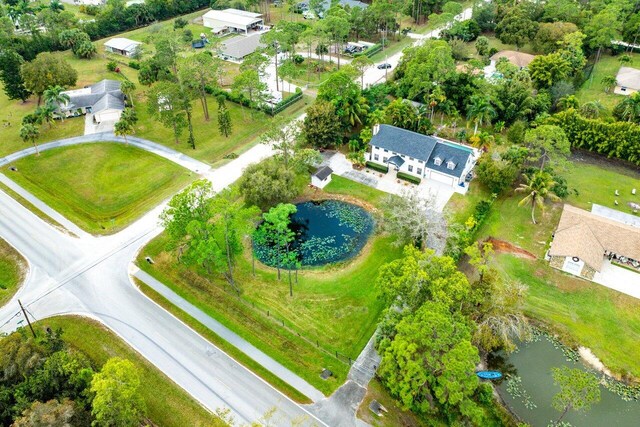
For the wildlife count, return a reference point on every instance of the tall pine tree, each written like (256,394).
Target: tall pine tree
(10,63)
(224,117)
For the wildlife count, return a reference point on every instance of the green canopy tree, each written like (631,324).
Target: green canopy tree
(578,390)
(321,127)
(45,71)
(117,400)
(428,362)
(362,63)
(12,80)
(421,276)
(516,27)
(276,230)
(191,204)
(268,183)
(548,145)
(164,102)
(547,70)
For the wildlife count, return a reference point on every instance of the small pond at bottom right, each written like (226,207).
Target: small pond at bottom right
(532,363)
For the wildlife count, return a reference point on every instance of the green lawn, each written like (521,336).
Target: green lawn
(596,184)
(101,187)
(594,90)
(583,312)
(347,187)
(167,404)
(13,269)
(336,306)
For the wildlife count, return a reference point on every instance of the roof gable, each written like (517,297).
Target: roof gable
(423,147)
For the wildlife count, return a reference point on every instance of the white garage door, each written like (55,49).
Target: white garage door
(445,179)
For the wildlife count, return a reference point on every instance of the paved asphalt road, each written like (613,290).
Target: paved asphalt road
(89,276)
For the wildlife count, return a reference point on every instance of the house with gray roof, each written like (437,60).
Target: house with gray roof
(237,48)
(104,100)
(422,156)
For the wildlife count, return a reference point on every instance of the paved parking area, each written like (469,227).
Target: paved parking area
(441,193)
(619,279)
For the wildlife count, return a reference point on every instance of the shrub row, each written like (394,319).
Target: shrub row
(370,51)
(377,167)
(241,99)
(612,139)
(409,178)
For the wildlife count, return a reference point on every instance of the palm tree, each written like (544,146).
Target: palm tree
(608,81)
(29,133)
(44,113)
(54,97)
(127,87)
(480,111)
(354,108)
(567,102)
(125,126)
(537,188)
(630,110)
(592,109)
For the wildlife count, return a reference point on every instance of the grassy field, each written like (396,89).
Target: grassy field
(335,307)
(583,312)
(167,404)
(101,187)
(594,90)
(595,184)
(13,269)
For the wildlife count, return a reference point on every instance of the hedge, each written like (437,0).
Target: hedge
(377,167)
(246,102)
(369,52)
(409,178)
(612,139)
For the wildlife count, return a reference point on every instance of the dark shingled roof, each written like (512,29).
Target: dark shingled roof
(396,160)
(422,147)
(323,173)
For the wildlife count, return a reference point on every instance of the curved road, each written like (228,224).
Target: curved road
(89,276)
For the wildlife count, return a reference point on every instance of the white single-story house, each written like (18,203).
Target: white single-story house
(237,48)
(627,81)
(321,177)
(519,59)
(104,100)
(232,20)
(122,46)
(585,240)
(422,156)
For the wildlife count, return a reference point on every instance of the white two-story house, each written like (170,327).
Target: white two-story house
(423,156)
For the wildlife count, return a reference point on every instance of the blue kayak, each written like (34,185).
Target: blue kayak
(489,375)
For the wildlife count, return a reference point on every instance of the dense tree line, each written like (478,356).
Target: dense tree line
(45,382)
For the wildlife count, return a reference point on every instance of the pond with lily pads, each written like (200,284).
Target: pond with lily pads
(528,387)
(326,232)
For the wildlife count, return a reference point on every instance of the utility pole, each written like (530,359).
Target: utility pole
(27,317)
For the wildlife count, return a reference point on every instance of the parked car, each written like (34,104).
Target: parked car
(384,66)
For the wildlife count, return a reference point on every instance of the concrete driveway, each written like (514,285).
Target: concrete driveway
(619,279)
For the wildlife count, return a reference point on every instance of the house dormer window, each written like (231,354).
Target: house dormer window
(451,165)
(437,161)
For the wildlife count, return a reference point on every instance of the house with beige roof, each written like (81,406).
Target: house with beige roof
(519,59)
(585,242)
(627,81)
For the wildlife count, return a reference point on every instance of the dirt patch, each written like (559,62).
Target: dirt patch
(501,246)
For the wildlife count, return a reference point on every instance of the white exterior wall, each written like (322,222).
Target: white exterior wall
(415,163)
(316,182)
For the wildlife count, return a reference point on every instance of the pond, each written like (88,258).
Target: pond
(530,397)
(326,231)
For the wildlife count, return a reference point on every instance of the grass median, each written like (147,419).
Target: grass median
(13,268)
(101,187)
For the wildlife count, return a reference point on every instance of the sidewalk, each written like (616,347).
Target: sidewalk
(231,337)
(57,217)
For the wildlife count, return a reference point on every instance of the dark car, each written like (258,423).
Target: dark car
(384,66)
